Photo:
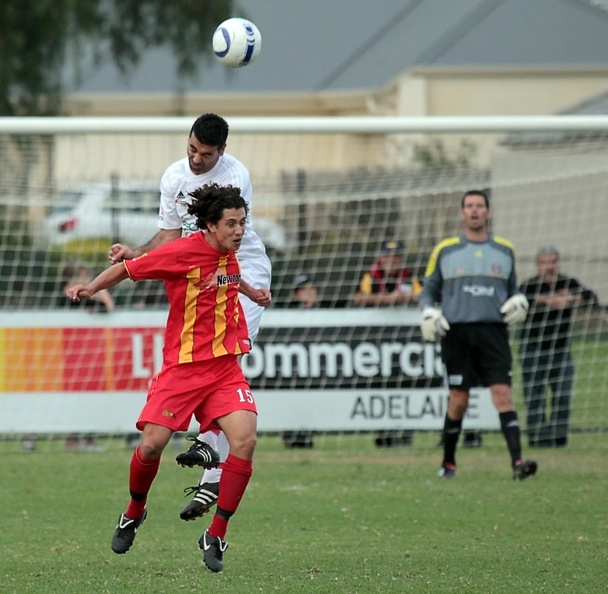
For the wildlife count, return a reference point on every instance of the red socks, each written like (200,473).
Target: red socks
(141,475)
(235,477)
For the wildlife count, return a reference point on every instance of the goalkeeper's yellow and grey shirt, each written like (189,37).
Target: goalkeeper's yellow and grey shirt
(470,280)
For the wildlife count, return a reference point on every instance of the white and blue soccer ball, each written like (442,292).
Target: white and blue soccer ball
(237,42)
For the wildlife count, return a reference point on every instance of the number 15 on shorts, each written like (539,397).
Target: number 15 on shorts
(245,395)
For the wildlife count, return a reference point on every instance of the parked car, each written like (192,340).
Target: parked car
(127,213)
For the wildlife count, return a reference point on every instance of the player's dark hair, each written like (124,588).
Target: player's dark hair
(481,193)
(210,201)
(210,129)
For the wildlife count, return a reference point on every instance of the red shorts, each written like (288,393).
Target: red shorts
(206,389)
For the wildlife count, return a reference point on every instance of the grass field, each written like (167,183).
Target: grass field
(344,517)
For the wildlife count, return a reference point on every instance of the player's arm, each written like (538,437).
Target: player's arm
(515,308)
(432,290)
(262,297)
(108,278)
(119,252)
(433,325)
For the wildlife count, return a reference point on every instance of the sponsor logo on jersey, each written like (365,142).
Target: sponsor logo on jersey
(479,290)
(181,199)
(227,279)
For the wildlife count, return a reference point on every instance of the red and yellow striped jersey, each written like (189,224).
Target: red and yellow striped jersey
(205,316)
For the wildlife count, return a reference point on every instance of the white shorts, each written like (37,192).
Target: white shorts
(257,273)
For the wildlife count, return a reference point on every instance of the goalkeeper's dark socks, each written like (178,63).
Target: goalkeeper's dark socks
(451,433)
(509,426)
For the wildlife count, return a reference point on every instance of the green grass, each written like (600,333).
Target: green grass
(344,517)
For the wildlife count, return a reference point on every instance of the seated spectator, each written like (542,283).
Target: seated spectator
(78,272)
(305,295)
(388,281)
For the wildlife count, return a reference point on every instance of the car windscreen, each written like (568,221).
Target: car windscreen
(139,200)
(65,202)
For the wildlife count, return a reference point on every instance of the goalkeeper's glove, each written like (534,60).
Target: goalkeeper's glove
(433,324)
(515,309)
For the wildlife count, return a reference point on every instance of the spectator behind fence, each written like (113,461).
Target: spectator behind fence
(305,295)
(78,273)
(388,281)
(545,355)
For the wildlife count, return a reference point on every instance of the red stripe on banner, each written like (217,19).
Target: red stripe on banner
(79,359)
(98,359)
(85,354)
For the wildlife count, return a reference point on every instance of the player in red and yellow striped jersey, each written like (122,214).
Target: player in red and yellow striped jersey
(205,318)
(206,332)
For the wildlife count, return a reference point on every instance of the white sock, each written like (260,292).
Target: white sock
(218,441)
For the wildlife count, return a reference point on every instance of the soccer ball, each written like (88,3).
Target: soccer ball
(237,42)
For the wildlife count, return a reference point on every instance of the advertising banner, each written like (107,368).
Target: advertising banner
(324,370)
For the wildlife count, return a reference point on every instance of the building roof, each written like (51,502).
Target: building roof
(338,45)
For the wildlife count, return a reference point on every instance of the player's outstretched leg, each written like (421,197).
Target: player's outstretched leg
(200,453)
(207,490)
(205,497)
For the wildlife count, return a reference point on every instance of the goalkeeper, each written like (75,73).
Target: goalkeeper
(472,279)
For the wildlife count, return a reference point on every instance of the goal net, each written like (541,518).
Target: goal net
(327,193)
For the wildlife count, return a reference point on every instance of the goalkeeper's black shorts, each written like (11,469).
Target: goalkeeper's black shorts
(477,355)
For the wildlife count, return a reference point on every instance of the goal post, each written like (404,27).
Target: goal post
(327,192)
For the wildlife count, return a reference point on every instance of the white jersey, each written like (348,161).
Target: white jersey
(175,187)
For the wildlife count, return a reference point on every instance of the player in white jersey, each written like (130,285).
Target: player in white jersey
(206,162)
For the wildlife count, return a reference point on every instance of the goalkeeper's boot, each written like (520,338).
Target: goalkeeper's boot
(205,497)
(447,471)
(213,548)
(200,453)
(523,470)
(125,532)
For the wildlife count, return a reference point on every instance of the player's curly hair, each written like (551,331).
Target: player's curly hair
(210,201)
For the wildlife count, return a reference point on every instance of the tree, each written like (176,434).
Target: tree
(39,37)
(41,41)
